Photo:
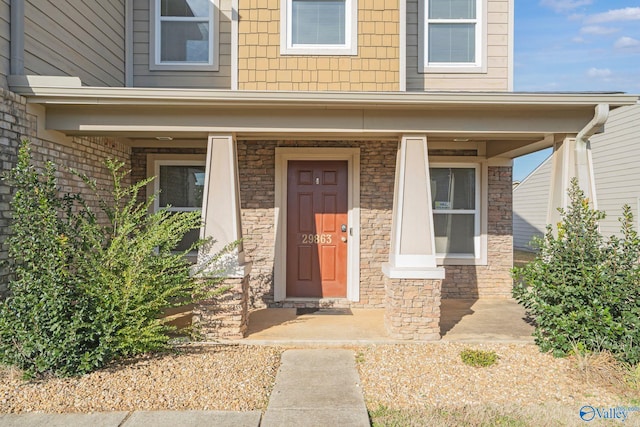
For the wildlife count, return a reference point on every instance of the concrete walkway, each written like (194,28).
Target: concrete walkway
(134,419)
(317,388)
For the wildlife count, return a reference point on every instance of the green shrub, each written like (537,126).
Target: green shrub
(87,292)
(582,289)
(478,358)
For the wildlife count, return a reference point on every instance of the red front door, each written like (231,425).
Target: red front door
(317,229)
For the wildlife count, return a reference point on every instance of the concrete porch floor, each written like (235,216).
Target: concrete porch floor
(461,320)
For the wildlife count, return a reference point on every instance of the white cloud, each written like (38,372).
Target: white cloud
(577,39)
(598,30)
(627,43)
(615,15)
(599,72)
(564,5)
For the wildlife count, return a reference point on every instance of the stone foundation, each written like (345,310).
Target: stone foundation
(226,316)
(413,309)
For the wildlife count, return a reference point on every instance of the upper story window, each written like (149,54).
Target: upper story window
(452,36)
(319,27)
(184,35)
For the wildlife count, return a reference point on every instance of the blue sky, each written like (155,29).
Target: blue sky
(575,45)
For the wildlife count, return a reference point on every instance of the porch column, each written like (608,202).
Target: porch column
(413,280)
(571,158)
(226,316)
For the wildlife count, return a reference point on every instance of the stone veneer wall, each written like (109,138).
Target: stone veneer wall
(413,309)
(493,279)
(377,174)
(257,174)
(85,154)
(226,316)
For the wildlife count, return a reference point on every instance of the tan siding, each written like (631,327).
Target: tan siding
(616,157)
(530,200)
(497,60)
(5,45)
(144,77)
(375,68)
(84,39)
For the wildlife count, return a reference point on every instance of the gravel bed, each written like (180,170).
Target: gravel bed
(412,376)
(401,376)
(195,378)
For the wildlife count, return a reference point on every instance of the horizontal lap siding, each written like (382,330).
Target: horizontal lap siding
(530,201)
(81,38)
(5,40)
(144,77)
(497,56)
(616,156)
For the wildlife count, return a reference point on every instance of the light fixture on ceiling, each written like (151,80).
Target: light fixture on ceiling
(164,138)
(460,139)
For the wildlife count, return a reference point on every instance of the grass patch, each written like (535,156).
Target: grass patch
(478,358)
(485,416)
(601,368)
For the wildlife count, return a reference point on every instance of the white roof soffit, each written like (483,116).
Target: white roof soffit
(51,90)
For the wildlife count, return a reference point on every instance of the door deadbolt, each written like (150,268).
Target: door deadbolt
(344,228)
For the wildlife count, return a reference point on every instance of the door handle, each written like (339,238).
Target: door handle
(344,239)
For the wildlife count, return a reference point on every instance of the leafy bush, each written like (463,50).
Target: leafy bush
(478,358)
(87,292)
(582,289)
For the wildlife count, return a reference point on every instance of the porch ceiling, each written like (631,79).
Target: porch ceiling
(511,124)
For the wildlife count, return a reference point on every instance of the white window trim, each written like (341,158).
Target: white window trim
(480,64)
(480,238)
(350,46)
(154,161)
(154,41)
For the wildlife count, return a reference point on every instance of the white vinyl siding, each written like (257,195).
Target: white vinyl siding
(83,39)
(494,73)
(530,201)
(319,27)
(615,164)
(145,76)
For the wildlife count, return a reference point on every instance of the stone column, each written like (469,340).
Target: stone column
(413,309)
(413,281)
(225,316)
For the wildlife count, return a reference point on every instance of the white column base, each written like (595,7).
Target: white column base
(395,272)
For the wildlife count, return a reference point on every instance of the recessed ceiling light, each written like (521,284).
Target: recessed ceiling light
(164,138)
(460,139)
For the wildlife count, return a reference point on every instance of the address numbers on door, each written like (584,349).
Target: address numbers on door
(316,238)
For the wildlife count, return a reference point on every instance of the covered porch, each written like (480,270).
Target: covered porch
(461,320)
(389,144)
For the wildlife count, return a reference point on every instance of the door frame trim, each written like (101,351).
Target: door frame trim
(352,157)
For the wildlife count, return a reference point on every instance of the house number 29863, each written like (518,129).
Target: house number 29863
(316,238)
